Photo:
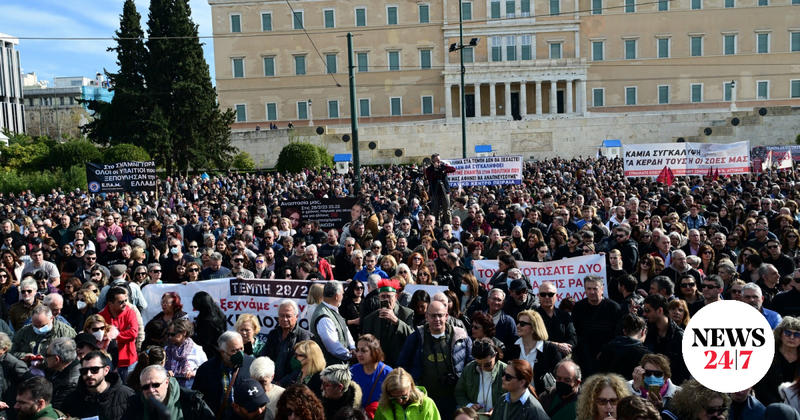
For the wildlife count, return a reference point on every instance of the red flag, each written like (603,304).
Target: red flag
(666,176)
(710,172)
(716,174)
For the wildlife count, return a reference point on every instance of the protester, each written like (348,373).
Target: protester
(401,398)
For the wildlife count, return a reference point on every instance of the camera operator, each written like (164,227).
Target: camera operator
(438,188)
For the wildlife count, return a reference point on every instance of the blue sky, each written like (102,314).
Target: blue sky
(78,18)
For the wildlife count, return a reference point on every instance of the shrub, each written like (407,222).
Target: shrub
(75,152)
(243,162)
(45,181)
(125,153)
(295,157)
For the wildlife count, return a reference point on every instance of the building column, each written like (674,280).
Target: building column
(538,97)
(448,102)
(582,97)
(458,86)
(508,101)
(553,97)
(492,99)
(477,100)
(523,99)
(568,109)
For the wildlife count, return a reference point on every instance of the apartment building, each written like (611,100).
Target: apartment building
(12,110)
(279,61)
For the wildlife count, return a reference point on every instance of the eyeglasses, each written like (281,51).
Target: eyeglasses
(607,401)
(524,323)
(656,373)
(97,329)
(546,294)
(141,273)
(687,285)
(507,377)
(193,270)
(715,410)
(709,286)
(790,334)
(93,369)
(91,258)
(147,387)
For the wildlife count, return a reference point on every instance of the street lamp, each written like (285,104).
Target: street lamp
(310,115)
(460,46)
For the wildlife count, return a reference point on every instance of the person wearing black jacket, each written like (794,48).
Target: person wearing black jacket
(161,397)
(229,363)
(595,320)
(627,247)
(62,362)
(280,341)
(100,391)
(439,188)
(12,372)
(209,323)
(560,328)
(664,336)
(623,353)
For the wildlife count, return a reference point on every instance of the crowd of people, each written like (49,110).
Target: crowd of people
(73,266)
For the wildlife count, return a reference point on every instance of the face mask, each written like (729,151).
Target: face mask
(98,335)
(174,250)
(464,288)
(457,251)
(237,359)
(508,282)
(653,381)
(81,305)
(43,330)
(563,389)
(295,364)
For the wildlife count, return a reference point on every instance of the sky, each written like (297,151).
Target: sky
(79,18)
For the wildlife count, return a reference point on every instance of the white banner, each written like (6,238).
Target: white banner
(567,274)
(235,296)
(490,170)
(686,158)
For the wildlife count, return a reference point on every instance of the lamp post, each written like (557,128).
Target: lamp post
(460,46)
(310,115)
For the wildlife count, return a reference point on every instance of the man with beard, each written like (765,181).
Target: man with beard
(33,400)
(100,391)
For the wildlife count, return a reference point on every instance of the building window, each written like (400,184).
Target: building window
(555,7)
(597,7)
(241,113)
(762,43)
(630,6)
(363,108)
(272,111)
(236,23)
(511,8)
(391,15)
(763,2)
(269,66)
(630,95)
(425,59)
(466,10)
(697,92)
(663,94)
(394,60)
(396,106)
(329,17)
(61,101)
(696,46)
(598,97)
(729,44)
(427,105)
(238,67)
(71,100)
(597,50)
(730,4)
(527,47)
(299,65)
(363,63)
(302,110)
(330,63)
(333,109)
(266,21)
(663,5)
(297,22)
(424,13)
(663,47)
(511,48)
(794,90)
(727,91)
(630,49)
(555,50)
(525,8)
(794,42)
(762,89)
(497,49)
(697,4)
(495,9)
(361,16)
(469,54)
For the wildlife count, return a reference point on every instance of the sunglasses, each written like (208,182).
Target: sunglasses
(93,369)
(97,329)
(147,387)
(790,334)
(524,323)
(155,271)
(508,377)
(193,270)
(687,284)
(546,294)
(25,292)
(238,260)
(260,261)
(656,373)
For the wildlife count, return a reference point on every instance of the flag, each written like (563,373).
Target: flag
(785,161)
(710,172)
(767,163)
(666,176)
(716,174)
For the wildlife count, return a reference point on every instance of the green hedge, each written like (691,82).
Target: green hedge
(42,182)
(295,157)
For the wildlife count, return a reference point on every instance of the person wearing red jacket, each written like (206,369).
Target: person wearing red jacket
(122,317)
(324,267)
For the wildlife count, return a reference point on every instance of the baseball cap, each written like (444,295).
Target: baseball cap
(517,285)
(250,395)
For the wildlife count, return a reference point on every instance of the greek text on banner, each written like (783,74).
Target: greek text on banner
(686,158)
(489,170)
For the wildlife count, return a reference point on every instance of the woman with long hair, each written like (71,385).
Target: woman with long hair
(471,299)
(708,265)
(13,264)
(415,261)
(694,401)
(419,304)
(645,271)
(599,396)
(505,262)
(210,322)
(370,371)
(520,401)
(350,307)
(790,243)
(785,363)
(402,399)
(8,289)
(310,362)
(482,326)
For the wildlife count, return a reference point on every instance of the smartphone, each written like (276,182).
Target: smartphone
(655,389)
(384,304)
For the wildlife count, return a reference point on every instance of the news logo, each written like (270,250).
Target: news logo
(728,346)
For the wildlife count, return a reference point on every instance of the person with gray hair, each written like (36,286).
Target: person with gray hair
(679,267)
(28,299)
(281,340)
(339,390)
(215,270)
(263,371)
(33,339)
(329,327)
(370,302)
(217,378)
(768,281)
(62,369)
(171,397)
(751,295)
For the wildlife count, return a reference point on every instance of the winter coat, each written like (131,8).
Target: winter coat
(424,409)
(64,382)
(351,397)
(411,356)
(110,404)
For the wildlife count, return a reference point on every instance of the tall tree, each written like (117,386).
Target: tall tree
(179,81)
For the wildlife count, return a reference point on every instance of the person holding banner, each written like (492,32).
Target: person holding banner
(439,188)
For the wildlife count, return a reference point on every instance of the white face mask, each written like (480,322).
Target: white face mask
(98,335)
(81,305)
